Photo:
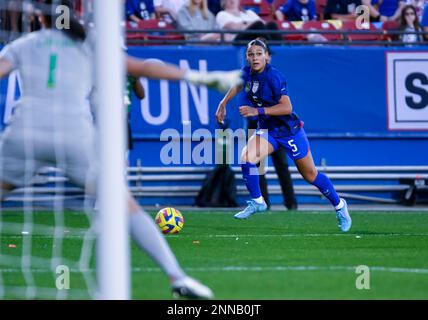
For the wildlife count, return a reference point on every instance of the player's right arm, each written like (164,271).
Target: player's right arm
(6,67)
(9,56)
(221,109)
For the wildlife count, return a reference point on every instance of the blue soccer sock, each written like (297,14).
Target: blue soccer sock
(323,183)
(251,177)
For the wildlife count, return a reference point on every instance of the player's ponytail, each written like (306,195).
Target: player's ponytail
(75,31)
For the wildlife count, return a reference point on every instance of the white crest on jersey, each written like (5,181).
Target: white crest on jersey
(255,86)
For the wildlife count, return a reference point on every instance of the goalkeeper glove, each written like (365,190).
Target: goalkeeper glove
(219,80)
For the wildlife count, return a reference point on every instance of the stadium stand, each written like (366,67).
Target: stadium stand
(154,31)
(263,8)
(355,182)
(290,29)
(387,27)
(379,184)
(360,34)
(254,5)
(320,6)
(325,28)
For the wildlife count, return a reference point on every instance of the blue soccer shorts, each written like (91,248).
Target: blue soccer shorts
(297,145)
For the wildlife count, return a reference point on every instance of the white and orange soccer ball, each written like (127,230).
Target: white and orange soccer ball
(169,220)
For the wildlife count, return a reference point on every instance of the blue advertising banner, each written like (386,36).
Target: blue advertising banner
(369,101)
(168,104)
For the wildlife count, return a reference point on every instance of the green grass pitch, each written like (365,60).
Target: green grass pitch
(278,255)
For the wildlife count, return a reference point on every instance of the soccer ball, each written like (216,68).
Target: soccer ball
(169,220)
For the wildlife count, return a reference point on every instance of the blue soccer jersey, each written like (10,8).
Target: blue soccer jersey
(264,90)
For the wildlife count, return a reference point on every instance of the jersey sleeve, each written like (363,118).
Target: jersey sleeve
(278,85)
(11,53)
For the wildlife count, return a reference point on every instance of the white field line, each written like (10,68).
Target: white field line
(251,269)
(297,235)
(310,210)
(285,235)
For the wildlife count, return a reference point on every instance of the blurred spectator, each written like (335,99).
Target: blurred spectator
(14,17)
(196,16)
(233,18)
(78,7)
(424,20)
(18,16)
(409,22)
(297,10)
(214,6)
(344,10)
(385,10)
(137,10)
(419,6)
(168,9)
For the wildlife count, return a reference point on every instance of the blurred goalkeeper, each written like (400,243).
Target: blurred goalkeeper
(53,125)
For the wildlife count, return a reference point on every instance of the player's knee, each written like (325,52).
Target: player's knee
(310,175)
(254,159)
(248,157)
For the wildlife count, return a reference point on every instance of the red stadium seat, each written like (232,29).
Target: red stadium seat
(133,35)
(254,5)
(266,10)
(153,24)
(320,6)
(390,26)
(160,31)
(322,26)
(165,39)
(263,8)
(364,35)
(288,26)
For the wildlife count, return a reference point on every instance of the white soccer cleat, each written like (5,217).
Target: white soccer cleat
(343,218)
(190,288)
(219,80)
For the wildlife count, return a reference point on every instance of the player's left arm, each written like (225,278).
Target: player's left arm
(6,67)
(280,93)
(283,107)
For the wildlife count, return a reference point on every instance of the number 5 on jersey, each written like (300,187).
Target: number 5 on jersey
(292,145)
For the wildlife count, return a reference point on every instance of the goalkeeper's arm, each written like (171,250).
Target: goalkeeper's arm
(219,80)
(153,70)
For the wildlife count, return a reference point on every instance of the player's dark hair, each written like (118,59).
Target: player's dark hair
(264,40)
(258,42)
(49,11)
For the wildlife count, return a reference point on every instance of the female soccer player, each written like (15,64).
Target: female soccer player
(278,127)
(53,125)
